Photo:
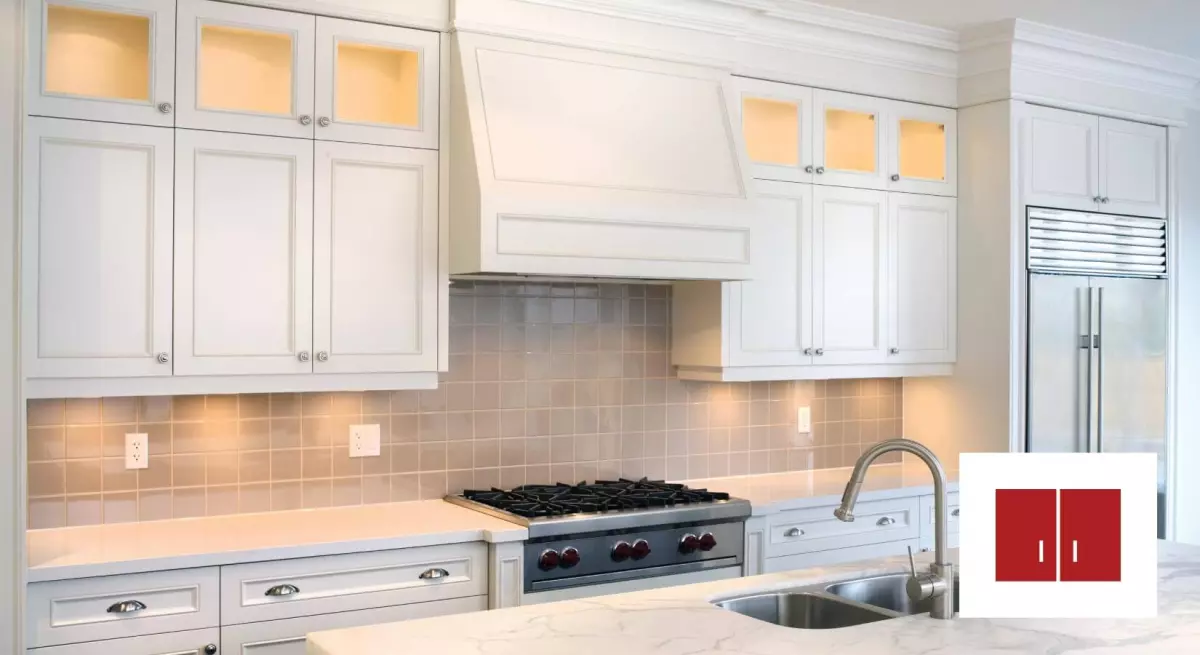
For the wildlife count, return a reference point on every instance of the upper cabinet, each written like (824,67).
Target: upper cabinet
(106,61)
(1080,161)
(797,134)
(922,279)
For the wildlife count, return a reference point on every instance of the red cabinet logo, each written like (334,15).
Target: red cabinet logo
(1068,535)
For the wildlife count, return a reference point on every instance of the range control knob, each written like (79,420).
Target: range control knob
(622,551)
(689,544)
(641,548)
(707,541)
(548,560)
(569,558)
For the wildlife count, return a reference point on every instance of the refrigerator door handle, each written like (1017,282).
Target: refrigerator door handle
(1098,348)
(1088,379)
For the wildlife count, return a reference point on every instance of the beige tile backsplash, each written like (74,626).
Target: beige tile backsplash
(546,383)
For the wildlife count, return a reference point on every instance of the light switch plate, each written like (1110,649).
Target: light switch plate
(137,450)
(364,440)
(803,420)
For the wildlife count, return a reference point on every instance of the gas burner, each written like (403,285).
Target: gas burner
(550,500)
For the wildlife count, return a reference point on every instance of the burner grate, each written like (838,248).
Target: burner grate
(546,500)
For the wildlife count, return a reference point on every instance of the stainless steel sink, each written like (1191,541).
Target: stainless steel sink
(810,610)
(886,591)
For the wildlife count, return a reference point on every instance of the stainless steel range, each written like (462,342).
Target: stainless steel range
(612,536)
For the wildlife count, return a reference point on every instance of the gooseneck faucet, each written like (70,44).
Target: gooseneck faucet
(938,583)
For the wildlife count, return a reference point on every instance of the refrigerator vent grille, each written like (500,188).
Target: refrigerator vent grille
(1078,242)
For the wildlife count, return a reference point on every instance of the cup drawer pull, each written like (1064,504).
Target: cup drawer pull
(434,574)
(954,512)
(793,532)
(886,521)
(283,590)
(126,607)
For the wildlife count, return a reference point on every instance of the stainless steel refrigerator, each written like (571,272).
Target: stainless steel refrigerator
(1097,335)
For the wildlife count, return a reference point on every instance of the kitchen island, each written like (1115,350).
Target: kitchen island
(682,620)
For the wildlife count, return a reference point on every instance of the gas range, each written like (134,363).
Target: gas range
(622,530)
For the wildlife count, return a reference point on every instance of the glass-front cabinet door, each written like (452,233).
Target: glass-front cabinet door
(108,61)
(245,69)
(922,149)
(777,129)
(848,140)
(376,84)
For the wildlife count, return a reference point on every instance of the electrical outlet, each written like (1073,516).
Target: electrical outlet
(364,440)
(803,420)
(137,451)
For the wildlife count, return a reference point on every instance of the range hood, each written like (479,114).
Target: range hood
(572,162)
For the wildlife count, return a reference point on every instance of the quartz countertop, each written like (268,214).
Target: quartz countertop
(63,553)
(681,620)
(777,492)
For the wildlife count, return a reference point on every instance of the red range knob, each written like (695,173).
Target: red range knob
(707,541)
(641,548)
(622,551)
(569,558)
(689,544)
(548,560)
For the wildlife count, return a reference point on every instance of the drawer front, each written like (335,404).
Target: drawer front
(816,529)
(927,522)
(266,591)
(838,556)
(288,636)
(113,607)
(189,642)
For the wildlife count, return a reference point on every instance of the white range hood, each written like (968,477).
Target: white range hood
(569,161)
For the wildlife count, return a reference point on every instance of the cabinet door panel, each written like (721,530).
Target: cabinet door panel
(376,84)
(243,254)
(1091,535)
(1059,164)
(97,253)
(848,140)
(771,315)
(849,276)
(777,129)
(922,149)
(109,61)
(1026,535)
(376,291)
(922,279)
(245,69)
(1133,168)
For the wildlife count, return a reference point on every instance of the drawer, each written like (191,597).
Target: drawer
(815,529)
(839,556)
(287,636)
(86,609)
(927,522)
(189,642)
(266,591)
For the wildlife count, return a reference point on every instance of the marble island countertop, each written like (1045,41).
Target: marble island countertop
(682,621)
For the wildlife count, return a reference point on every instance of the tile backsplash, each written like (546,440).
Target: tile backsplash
(547,382)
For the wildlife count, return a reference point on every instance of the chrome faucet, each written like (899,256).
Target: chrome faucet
(938,583)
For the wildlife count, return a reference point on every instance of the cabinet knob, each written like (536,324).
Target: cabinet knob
(322,356)
(819,351)
(1095,198)
(895,177)
(1104,200)
(808,351)
(893,351)
(165,107)
(820,170)
(303,356)
(163,358)
(886,521)
(954,512)
(323,121)
(282,590)
(210,649)
(808,169)
(306,120)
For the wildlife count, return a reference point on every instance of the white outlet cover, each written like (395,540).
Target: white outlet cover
(364,440)
(137,450)
(803,420)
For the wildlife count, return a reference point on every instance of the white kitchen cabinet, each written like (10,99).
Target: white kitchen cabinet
(245,69)
(777,126)
(375,269)
(112,60)
(922,150)
(187,642)
(376,84)
(922,279)
(1133,168)
(243,254)
(849,140)
(849,276)
(96,212)
(928,521)
(838,556)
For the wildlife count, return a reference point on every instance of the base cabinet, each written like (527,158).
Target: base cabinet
(839,556)
(189,642)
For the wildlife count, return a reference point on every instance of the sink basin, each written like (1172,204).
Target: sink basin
(886,591)
(808,610)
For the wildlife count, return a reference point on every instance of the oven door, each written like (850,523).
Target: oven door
(625,586)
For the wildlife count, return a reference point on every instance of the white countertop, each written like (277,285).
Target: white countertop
(776,492)
(681,620)
(63,553)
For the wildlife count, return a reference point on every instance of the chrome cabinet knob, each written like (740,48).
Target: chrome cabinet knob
(306,120)
(895,177)
(1095,198)
(163,358)
(820,170)
(210,649)
(819,351)
(808,351)
(165,107)
(808,169)
(954,512)
(303,356)
(886,521)
(434,574)
(1104,200)
(323,121)
(282,590)
(793,532)
(893,351)
(322,356)
(126,607)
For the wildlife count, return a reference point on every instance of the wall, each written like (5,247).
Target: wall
(562,382)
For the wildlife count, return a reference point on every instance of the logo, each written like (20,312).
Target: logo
(1058,535)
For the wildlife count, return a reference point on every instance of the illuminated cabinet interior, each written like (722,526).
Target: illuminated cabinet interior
(377,84)
(99,54)
(850,141)
(772,131)
(246,70)
(922,150)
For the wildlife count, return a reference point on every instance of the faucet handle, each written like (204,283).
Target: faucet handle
(912,564)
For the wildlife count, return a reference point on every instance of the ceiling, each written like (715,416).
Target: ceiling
(1169,25)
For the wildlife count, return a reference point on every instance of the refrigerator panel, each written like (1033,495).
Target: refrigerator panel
(1057,402)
